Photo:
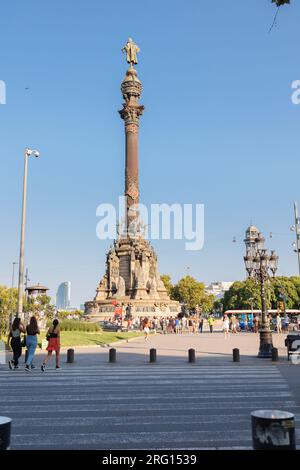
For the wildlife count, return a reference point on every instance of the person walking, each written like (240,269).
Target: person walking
(246,324)
(256,324)
(195,325)
(53,337)
(164,326)
(32,330)
(201,325)
(15,342)
(191,326)
(183,324)
(278,323)
(170,325)
(211,323)
(286,323)
(233,324)
(155,323)
(177,326)
(226,326)
(146,328)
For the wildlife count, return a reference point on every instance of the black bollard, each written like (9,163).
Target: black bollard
(5,429)
(236,355)
(70,356)
(152,355)
(192,355)
(112,355)
(273,430)
(274,354)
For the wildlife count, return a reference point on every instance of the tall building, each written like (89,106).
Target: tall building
(218,289)
(250,238)
(63,296)
(131,278)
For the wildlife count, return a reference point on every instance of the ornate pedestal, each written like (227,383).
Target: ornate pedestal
(131,279)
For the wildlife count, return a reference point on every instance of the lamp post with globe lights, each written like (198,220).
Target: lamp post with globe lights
(258,266)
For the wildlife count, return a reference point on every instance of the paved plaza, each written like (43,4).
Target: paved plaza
(132,404)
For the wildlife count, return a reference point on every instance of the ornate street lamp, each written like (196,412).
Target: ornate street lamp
(273,262)
(260,242)
(258,266)
(248,259)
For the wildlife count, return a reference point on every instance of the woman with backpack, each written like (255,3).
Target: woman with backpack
(53,337)
(32,330)
(15,342)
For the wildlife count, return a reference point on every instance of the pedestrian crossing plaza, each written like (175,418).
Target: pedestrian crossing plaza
(142,406)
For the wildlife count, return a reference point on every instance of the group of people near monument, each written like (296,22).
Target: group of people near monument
(249,324)
(172,325)
(196,324)
(27,337)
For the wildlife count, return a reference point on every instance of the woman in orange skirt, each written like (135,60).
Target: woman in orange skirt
(53,337)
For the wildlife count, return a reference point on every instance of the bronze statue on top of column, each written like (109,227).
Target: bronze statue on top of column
(131,50)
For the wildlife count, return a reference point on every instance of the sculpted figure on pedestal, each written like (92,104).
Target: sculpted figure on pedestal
(141,283)
(153,289)
(121,287)
(101,291)
(113,262)
(131,50)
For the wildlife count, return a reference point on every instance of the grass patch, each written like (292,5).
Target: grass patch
(85,338)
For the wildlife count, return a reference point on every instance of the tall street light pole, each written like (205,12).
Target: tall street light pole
(297,222)
(28,152)
(14,263)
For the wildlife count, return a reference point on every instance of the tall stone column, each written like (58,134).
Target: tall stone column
(131,89)
(131,277)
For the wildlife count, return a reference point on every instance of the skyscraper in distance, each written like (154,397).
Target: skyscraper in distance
(63,296)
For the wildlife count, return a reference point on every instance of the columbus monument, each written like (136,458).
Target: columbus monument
(131,280)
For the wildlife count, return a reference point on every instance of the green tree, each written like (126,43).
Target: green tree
(296,281)
(166,279)
(9,302)
(41,303)
(8,307)
(287,287)
(218,305)
(241,292)
(207,303)
(192,293)
(239,295)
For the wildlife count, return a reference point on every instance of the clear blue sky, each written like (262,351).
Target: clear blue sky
(219,129)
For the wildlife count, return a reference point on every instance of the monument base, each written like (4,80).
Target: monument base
(131,281)
(104,310)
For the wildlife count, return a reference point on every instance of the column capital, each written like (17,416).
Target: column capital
(131,113)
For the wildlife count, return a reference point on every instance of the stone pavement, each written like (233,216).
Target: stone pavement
(173,349)
(132,404)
